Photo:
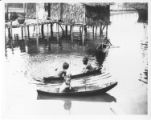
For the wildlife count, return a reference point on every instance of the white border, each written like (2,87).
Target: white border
(88,117)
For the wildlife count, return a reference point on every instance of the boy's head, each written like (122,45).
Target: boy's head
(85,60)
(65,65)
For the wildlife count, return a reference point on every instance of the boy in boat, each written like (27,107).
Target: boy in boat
(67,78)
(87,66)
(63,72)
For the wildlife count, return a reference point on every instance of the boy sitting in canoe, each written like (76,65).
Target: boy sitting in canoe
(87,66)
(63,72)
(67,78)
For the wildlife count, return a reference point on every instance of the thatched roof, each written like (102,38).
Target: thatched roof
(96,4)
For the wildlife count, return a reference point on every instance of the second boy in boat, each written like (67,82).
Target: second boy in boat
(87,66)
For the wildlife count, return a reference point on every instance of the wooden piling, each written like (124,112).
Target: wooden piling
(83,35)
(49,44)
(42,30)
(37,36)
(28,32)
(11,38)
(71,33)
(66,29)
(101,31)
(57,28)
(22,34)
(9,33)
(106,31)
(93,31)
(25,35)
(51,29)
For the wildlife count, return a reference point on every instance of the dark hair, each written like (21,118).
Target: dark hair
(65,65)
(85,60)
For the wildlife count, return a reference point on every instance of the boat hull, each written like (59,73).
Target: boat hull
(79,93)
(53,79)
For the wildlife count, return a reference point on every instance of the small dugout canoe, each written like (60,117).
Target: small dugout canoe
(53,79)
(78,91)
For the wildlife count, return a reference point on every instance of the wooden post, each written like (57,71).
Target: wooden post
(49,44)
(37,36)
(71,33)
(42,30)
(5,43)
(83,35)
(47,30)
(25,31)
(22,34)
(101,31)
(28,31)
(106,31)
(57,28)
(11,38)
(51,28)
(93,32)
(66,27)
(85,31)
(9,33)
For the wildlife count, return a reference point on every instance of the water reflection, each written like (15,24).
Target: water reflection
(22,46)
(67,104)
(69,99)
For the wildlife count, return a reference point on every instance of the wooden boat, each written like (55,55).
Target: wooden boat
(78,90)
(105,97)
(53,79)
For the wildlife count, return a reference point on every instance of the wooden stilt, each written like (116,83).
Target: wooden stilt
(49,44)
(66,27)
(57,28)
(106,31)
(85,31)
(93,32)
(71,33)
(28,31)
(11,38)
(101,31)
(42,30)
(22,34)
(51,28)
(47,30)
(5,43)
(25,35)
(34,29)
(37,36)
(9,33)
(83,35)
